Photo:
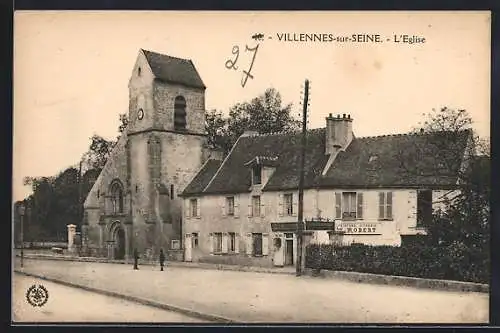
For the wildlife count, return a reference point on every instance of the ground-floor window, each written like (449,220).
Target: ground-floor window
(257,244)
(231,242)
(194,239)
(424,207)
(217,242)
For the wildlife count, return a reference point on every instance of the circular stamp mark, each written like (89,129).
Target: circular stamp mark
(37,295)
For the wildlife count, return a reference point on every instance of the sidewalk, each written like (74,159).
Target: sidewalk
(252,297)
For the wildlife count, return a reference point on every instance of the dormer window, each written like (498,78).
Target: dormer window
(256,175)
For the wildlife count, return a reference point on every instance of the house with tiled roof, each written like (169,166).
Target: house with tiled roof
(371,190)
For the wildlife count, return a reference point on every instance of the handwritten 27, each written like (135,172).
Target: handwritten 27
(231,64)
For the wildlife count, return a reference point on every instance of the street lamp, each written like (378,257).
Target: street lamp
(21,214)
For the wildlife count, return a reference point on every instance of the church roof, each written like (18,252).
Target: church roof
(174,70)
(398,161)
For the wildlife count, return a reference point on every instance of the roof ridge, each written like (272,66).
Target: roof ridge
(284,132)
(165,55)
(384,135)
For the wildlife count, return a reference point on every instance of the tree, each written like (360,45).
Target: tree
(461,230)
(99,151)
(123,122)
(216,127)
(263,114)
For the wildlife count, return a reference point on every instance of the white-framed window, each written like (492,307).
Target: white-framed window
(255,208)
(230,206)
(349,205)
(385,205)
(217,242)
(193,207)
(288,201)
(257,244)
(175,244)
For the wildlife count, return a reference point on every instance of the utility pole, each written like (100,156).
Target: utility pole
(300,221)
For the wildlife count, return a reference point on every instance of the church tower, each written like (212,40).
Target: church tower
(165,146)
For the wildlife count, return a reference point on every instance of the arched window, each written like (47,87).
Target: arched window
(180,113)
(116,198)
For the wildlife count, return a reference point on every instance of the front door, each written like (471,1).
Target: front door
(289,252)
(120,244)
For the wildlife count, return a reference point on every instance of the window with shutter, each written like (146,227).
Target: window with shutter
(198,208)
(360,206)
(385,205)
(257,244)
(381,204)
(338,206)
(187,209)
(295,206)
(265,244)
(248,243)
(236,243)
(194,207)
(230,206)
(255,206)
(236,206)
(223,206)
(349,208)
(211,242)
(231,242)
(280,204)
(224,242)
(389,206)
(289,204)
(217,239)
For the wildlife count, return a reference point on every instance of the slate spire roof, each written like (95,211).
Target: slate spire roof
(390,161)
(174,70)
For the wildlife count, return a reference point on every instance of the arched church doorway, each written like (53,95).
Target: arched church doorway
(119,239)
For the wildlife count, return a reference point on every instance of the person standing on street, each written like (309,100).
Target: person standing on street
(162,259)
(136,258)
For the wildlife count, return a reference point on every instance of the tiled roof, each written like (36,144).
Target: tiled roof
(234,176)
(174,70)
(406,160)
(203,177)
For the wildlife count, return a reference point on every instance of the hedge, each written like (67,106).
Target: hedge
(453,262)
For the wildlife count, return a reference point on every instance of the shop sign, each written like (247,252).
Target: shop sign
(357,228)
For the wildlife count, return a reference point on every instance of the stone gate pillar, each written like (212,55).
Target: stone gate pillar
(71,237)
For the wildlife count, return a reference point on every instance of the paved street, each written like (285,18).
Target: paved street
(66,304)
(260,297)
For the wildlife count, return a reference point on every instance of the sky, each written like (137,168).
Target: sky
(71,71)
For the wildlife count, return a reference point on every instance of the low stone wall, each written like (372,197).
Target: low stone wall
(231,259)
(175,255)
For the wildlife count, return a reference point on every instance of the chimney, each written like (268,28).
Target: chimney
(338,133)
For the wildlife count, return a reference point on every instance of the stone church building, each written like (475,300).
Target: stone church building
(134,202)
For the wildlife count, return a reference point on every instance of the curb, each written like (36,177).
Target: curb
(405,281)
(163,306)
(221,267)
